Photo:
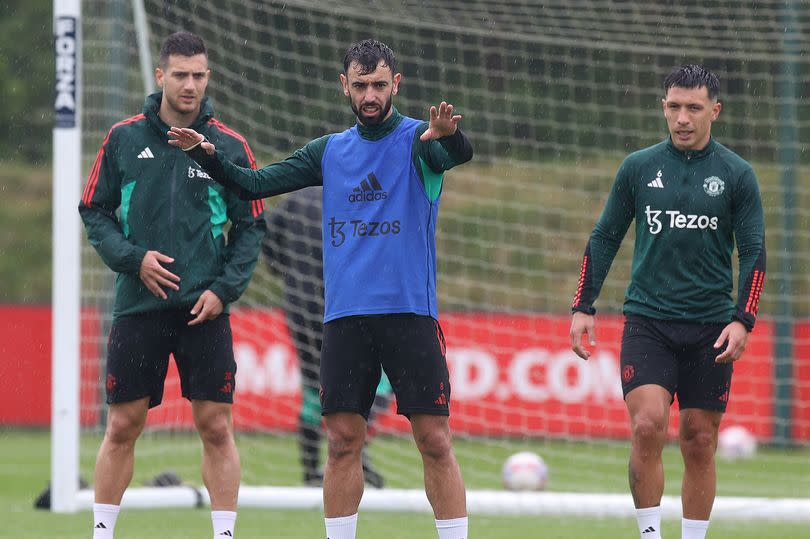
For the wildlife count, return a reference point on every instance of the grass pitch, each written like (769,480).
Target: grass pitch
(25,468)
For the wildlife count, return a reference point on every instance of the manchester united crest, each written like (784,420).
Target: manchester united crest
(714,186)
(628,372)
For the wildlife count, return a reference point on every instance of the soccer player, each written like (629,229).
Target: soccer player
(691,198)
(158,220)
(382,181)
(293,249)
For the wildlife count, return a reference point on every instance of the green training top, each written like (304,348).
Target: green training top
(143,194)
(689,208)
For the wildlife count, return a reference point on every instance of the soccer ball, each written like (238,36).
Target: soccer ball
(736,443)
(525,471)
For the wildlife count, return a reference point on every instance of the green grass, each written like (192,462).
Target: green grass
(24,470)
(254,523)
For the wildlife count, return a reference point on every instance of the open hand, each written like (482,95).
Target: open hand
(442,122)
(186,138)
(582,323)
(208,307)
(155,276)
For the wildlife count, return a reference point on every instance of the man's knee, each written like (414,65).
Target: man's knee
(698,445)
(125,422)
(345,435)
(122,431)
(216,434)
(649,427)
(214,425)
(434,442)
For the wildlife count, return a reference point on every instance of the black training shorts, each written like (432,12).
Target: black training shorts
(138,357)
(678,356)
(409,347)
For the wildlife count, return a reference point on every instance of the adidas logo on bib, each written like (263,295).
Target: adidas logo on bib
(369,190)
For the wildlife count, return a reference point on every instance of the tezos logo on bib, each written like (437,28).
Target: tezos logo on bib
(713,186)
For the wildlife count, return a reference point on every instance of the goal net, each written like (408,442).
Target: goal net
(553,95)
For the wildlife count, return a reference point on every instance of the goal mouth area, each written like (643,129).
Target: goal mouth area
(553,98)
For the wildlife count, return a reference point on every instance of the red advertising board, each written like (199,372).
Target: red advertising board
(511,375)
(25,367)
(800,413)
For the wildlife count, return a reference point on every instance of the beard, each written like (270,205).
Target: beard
(375,120)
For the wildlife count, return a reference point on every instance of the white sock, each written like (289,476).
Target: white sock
(224,523)
(341,527)
(104,517)
(694,529)
(453,528)
(649,522)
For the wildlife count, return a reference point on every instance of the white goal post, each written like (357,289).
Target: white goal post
(553,95)
(66,256)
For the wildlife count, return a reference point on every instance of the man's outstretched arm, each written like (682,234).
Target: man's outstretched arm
(301,169)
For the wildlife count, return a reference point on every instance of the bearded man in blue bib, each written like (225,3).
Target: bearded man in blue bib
(382,181)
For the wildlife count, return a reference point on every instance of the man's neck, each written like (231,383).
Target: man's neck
(375,132)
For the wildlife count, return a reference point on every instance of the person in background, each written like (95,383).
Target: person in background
(293,249)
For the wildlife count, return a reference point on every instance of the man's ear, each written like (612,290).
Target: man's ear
(345,83)
(716,108)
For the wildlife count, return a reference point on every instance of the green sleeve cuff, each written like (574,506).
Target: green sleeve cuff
(133,261)
(225,294)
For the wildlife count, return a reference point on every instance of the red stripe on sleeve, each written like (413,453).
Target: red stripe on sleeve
(752,306)
(249,153)
(752,291)
(581,283)
(228,131)
(257,206)
(761,284)
(757,293)
(92,180)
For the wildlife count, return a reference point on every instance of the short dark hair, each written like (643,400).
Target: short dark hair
(182,43)
(693,76)
(367,54)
